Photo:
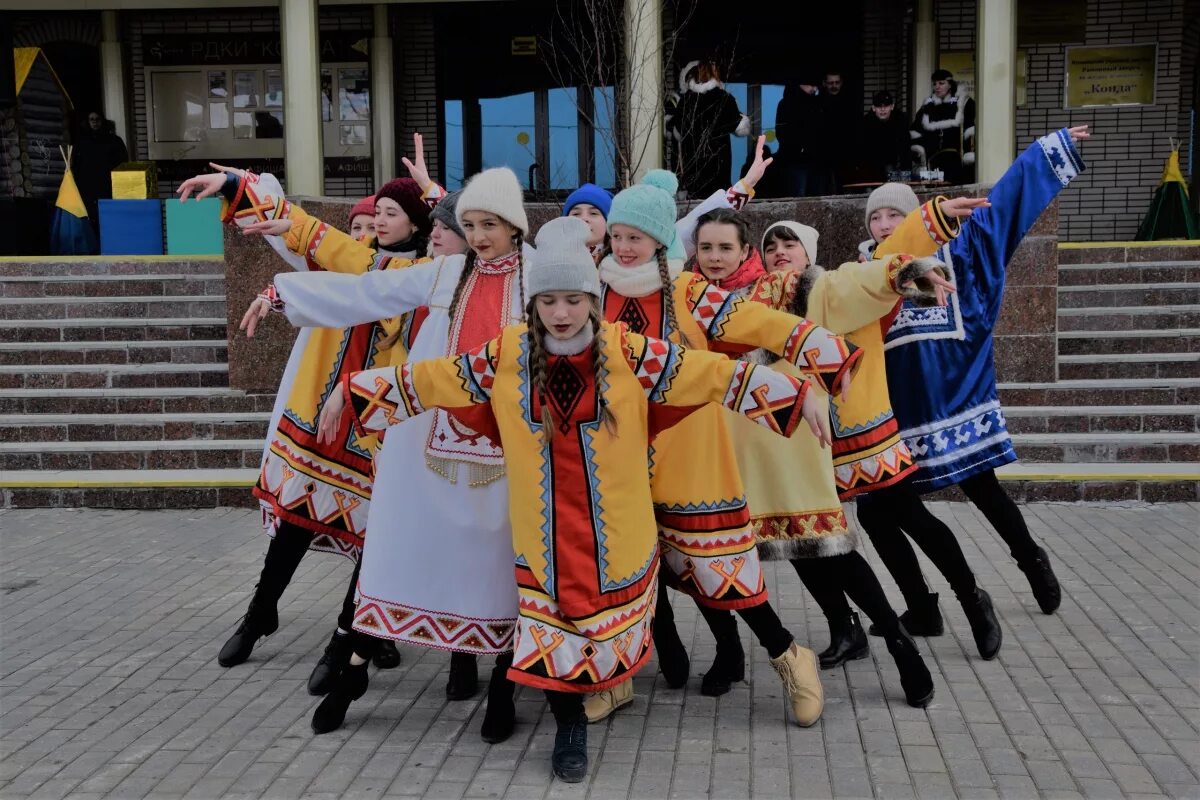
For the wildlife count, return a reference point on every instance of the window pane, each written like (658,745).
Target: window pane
(273,94)
(268,124)
(245,89)
(737,144)
(564,139)
(771,95)
(354,94)
(508,134)
(355,135)
(243,125)
(326,96)
(453,112)
(218,115)
(216,85)
(604,143)
(180,102)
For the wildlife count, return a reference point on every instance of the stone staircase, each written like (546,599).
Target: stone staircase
(114,385)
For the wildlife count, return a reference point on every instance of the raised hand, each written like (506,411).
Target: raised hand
(417,169)
(1079,133)
(241,173)
(331,417)
(960,207)
(203,185)
(255,314)
(267,227)
(759,165)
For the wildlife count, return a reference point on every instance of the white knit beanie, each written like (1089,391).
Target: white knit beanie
(899,196)
(562,261)
(807,236)
(496,190)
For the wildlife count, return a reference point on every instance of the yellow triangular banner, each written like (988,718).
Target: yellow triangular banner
(1172,173)
(69,199)
(23,58)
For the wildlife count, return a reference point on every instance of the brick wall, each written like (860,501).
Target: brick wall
(414,53)
(1126,156)
(135,25)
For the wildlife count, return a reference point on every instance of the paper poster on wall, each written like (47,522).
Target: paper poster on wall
(1111,76)
(962,64)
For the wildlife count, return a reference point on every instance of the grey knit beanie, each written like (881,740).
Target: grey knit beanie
(443,212)
(562,261)
(899,196)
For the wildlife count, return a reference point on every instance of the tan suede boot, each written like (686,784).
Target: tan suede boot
(797,669)
(602,704)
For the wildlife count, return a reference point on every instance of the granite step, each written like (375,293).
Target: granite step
(121,488)
(1096,419)
(1129,295)
(104,329)
(1104,447)
(210,285)
(1095,318)
(136,306)
(119,376)
(1113,273)
(149,454)
(207,400)
(1127,252)
(1119,366)
(1174,340)
(1148,482)
(133,427)
(201,351)
(1103,392)
(16,266)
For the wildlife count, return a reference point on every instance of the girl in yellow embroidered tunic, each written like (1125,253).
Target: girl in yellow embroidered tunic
(583,526)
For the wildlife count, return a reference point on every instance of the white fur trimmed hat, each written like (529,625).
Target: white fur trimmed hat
(496,190)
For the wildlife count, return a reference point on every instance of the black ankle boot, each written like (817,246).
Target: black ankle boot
(335,659)
(1043,582)
(464,677)
(914,675)
(350,685)
(672,657)
(387,656)
(501,714)
(847,642)
(262,619)
(570,761)
(922,618)
(728,667)
(985,627)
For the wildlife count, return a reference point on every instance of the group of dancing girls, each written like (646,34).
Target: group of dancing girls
(617,411)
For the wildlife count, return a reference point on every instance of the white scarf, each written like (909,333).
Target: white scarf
(570,347)
(638,281)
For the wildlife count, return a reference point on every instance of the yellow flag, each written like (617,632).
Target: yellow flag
(1172,173)
(69,199)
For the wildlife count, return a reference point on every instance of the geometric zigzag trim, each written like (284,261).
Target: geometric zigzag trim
(436,629)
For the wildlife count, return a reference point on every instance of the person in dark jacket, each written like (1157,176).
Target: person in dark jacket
(815,128)
(703,120)
(97,151)
(943,131)
(884,144)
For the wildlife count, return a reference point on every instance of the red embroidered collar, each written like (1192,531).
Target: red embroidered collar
(498,266)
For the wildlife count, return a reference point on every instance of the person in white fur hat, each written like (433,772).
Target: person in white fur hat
(451,591)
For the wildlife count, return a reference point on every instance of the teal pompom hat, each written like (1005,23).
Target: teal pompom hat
(648,206)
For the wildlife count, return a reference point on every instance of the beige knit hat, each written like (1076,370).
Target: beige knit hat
(807,236)
(496,190)
(899,196)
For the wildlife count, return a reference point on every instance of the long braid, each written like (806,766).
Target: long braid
(468,267)
(664,275)
(606,415)
(539,368)
(519,243)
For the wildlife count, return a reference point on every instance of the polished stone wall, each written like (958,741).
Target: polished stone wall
(1025,337)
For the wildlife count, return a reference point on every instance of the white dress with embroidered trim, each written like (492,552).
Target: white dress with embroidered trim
(437,569)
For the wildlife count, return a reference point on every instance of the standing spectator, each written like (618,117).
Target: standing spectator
(943,131)
(815,127)
(97,152)
(884,143)
(704,118)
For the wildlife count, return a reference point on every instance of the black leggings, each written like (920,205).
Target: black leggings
(284,554)
(886,515)
(985,492)
(762,620)
(567,707)
(831,578)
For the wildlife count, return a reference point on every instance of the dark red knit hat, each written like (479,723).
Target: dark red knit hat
(365,206)
(407,195)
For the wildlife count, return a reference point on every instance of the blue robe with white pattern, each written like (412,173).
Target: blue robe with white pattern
(939,360)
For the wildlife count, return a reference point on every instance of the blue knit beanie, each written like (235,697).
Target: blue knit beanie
(591,194)
(649,206)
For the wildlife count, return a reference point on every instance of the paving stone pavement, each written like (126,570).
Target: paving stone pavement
(110,622)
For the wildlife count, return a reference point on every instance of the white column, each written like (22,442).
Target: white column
(383,103)
(112,74)
(925,55)
(302,152)
(643,60)
(995,88)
